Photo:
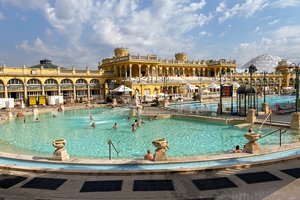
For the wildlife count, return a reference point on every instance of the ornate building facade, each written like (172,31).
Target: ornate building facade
(148,75)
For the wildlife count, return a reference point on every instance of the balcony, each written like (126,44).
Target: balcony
(34,87)
(81,86)
(50,87)
(15,87)
(66,86)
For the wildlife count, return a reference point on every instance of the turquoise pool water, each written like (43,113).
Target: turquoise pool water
(186,137)
(270,99)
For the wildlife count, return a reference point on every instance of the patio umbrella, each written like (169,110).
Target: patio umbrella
(213,86)
(122,88)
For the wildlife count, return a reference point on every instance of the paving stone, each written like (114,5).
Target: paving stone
(44,183)
(153,185)
(102,186)
(258,177)
(213,183)
(7,181)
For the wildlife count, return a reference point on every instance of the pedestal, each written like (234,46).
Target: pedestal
(161,147)
(133,111)
(139,110)
(160,155)
(265,107)
(251,117)
(252,147)
(59,154)
(219,108)
(165,103)
(114,102)
(295,123)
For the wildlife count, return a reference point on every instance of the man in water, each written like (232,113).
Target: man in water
(115,126)
(93,125)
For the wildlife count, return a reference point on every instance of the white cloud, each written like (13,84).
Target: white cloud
(286,3)
(256,29)
(274,22)
(221,7)
(283,42)
(246,9)
(88,26)
(2,16)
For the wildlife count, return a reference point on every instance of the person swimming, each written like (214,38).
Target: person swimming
(133,127)
(115,126)
(91,117)
(237,149)
(93,125)
(143,121)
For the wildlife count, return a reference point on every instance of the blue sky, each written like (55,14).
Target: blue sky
(81,33)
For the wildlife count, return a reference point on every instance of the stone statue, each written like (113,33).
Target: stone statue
(59,153)
(252,146)
(161,147)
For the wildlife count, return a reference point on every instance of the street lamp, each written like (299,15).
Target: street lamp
(265,86)
(252,69)
(166,78)
(222,72)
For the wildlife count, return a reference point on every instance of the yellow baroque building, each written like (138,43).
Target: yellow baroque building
(146,74)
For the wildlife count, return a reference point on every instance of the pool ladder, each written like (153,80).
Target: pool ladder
(281,130)
(110,144)
(269,115)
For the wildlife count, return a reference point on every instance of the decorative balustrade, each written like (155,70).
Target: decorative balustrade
(93,86)
(50,87)
(34,87)
(15,87)
(66,86)
(81,85)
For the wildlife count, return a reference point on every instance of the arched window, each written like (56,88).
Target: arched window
(15,82)
(94,81)
(50,82)
(66,81)
(81,81)
(34,82)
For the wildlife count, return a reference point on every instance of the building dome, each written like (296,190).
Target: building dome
(264,62)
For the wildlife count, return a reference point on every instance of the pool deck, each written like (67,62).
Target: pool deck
(277,180)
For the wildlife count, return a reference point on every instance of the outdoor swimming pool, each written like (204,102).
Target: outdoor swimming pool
(270,99)
(186,137)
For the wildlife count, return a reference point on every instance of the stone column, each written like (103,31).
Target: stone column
(43,89)
(139,73)
(25,91)
(74,91)
(251,117)
(120,71)
(59,89)
(88,92)
(148,71)
(157,73)
(5,91)
(125,71)
(295,123)
(130,71)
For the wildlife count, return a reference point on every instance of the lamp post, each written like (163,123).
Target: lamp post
(252,69)
(265,87)
(222,72)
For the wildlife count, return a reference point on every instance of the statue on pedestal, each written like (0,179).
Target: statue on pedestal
(252,146)
(161,147)
(59,153)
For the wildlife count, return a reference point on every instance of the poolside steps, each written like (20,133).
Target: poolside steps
(243,125)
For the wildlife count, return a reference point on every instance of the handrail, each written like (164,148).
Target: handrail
(111,144)
(265,120)
(281,130)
